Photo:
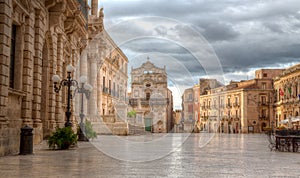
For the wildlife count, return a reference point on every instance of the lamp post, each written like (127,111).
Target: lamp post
(85,89)
(69,82)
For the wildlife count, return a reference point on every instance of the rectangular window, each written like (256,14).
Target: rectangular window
(263,100)
(103,82)
(190,108)
(109,86)
(190,97)
(114,89)
(264,86)
(12,56)
(228,102)
(148,96)
(265,75)
(264,113)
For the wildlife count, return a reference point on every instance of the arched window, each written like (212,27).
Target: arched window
(148,95)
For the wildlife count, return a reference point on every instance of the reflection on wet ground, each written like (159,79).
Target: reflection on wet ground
(158,155)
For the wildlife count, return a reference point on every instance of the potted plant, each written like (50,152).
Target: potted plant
(62,138)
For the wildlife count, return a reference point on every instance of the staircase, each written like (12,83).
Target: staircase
(109,125)
(136,130)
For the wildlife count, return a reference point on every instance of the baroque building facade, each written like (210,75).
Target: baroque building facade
(151,98)
(38,39)
(287,97)
(105,65)
(188,110)
(240,107)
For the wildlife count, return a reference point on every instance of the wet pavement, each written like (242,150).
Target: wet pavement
(159,155)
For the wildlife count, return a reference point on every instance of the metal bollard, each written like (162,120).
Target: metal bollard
(26,142)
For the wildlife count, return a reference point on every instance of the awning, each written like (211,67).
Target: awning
(284,121)
(296,119)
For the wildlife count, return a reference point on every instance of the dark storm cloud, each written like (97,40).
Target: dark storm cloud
(246,34)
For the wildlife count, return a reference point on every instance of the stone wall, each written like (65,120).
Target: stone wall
(46,36)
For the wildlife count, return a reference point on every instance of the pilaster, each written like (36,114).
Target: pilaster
(59,113)
(28,70)
(53,63)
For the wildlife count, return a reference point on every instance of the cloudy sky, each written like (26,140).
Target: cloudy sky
(224,39)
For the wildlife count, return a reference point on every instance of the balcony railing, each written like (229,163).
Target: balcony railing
(133,102)
(263,117)
(147,102)
(236,104)
(228,105)
(263,103)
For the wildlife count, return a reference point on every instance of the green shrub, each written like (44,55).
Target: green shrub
(89,132)
(62,138)
(131,113)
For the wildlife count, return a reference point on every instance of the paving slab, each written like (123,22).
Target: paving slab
(192,155)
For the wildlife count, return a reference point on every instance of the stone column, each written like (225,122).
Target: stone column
(52,94)
(95,7)
(37,76)
(83,71)
(99,92)
(59,113)
(28,70)
(93,82)
(5,34)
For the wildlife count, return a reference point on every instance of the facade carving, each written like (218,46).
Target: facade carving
(151,98)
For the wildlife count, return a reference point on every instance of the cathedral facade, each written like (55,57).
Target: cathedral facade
(151,99)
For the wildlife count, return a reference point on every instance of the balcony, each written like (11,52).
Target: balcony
(106,90)
(236,104)
(228,105)
(203,107)
(133,102)
(144,102)
(159,101)
(264,118)
(263,103)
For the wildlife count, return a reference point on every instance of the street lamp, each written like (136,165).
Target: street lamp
(69,82)
(85,89)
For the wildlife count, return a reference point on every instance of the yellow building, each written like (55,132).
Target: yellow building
(287,97)
(240,107)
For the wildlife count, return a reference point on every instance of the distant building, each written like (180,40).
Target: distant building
(287,97)
(177,116)
(188,111)
(151,98)
(240,107)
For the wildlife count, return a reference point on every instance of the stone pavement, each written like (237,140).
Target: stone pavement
(223,156)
